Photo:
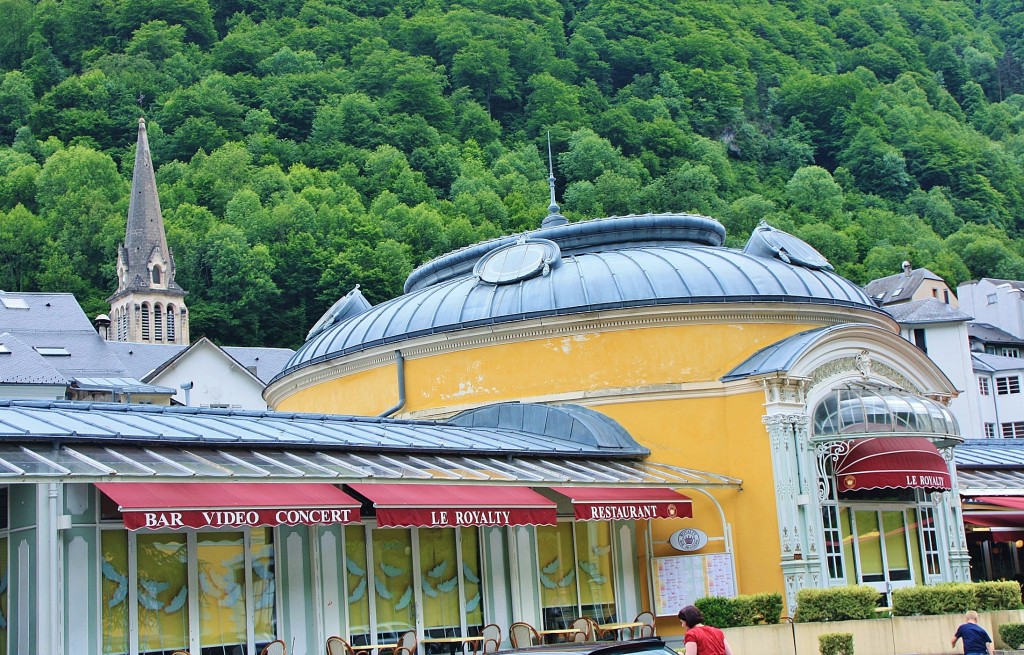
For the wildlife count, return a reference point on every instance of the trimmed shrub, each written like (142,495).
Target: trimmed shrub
(955,598)
(836,643)
(836,604)
(768,607)
(1012,634)
(744,612)
(717,611)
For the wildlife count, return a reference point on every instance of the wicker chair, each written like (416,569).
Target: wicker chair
(276,647)
(523,635)
(647,629)
(406,643)
(491,641)
(584,627)
(338,646)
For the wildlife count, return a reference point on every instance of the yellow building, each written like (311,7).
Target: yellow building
(759,364)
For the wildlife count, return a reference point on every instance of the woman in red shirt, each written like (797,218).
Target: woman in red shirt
(701,639)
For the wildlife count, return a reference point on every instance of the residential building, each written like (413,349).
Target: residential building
(996,302)
(913,284)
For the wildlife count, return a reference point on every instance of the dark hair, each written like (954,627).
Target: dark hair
(691,616)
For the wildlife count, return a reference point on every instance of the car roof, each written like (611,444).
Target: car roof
(593,647)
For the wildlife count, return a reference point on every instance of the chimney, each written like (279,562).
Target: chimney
(102,325)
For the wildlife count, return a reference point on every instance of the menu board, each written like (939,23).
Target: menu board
(682,579)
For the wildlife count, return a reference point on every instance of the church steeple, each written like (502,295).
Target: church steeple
(148,305)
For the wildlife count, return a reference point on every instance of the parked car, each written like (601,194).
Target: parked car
(650,646)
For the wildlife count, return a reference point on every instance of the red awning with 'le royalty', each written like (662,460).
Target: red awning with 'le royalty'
(626,503)
(452,505)
(160,505)
(892,463)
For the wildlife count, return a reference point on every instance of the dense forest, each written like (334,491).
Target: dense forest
(304,146)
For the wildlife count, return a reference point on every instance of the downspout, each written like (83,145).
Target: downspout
(400,364)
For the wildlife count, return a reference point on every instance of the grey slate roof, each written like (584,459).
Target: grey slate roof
(929,310)
(899,287)
(120,386)
(619,262)
(990,466)
(265,362)
(23,365)
(994,363)
(988,333)
(141,359)
(57,320)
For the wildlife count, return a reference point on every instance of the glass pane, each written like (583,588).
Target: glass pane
(471,579)
(915,544)
(594,570)
(896,545)
(355,585)
(163,592)
(559,601)
(220,557)
(439,577)
(263,589)
(114,591)
(392,582)
(849,557)
(4,578)
(869,547)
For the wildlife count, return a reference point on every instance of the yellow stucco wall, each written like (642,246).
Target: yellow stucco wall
(660,383)
(585,362)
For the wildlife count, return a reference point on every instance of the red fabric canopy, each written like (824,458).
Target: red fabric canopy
(159,505)
(451,505)
(626,503)
(1013,502)
(892,463)
(995,519)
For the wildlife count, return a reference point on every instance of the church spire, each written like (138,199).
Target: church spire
(148,305)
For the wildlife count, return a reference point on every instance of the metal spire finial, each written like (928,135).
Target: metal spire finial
(554,217)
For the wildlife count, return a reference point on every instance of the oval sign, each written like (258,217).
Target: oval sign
(688,539)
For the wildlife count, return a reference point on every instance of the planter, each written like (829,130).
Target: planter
(900,635)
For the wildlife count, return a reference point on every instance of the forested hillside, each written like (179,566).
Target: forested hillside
(304,146)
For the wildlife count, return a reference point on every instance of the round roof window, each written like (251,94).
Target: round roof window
(518,261)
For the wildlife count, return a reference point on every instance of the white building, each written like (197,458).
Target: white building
(999,388)
(996,302)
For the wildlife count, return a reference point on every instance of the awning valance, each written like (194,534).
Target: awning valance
(451,505)
(625,503)
(1013,502)
(892,463)
(160,505)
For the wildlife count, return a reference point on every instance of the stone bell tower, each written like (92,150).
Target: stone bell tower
(148,306)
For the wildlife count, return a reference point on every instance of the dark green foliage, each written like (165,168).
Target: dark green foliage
(1012,634)
(717,611)
(752,609)
(836,604)
(835,643)
(956,597)
(373,137)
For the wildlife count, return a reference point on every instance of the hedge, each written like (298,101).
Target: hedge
(1012,634)
(836,604)
(750,609)
(836,643)
(956,598)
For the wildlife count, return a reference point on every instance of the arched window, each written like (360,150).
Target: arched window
(158,322)
(122,324)
(145,321)
(156,275)
(170,324)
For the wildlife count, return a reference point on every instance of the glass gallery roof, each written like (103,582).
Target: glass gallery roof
(51,441)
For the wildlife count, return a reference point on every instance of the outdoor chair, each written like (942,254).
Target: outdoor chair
(491,641)
(647,629)
(338,646)
(276,647)
(523,635)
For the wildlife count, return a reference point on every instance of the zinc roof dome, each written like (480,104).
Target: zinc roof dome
(570,268)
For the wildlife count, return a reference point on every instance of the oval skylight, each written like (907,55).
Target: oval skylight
(518,261)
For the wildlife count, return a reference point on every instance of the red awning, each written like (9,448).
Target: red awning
(995,519)
(892,463)
(1013,502)
(159,505)
(450,505)
(626,503)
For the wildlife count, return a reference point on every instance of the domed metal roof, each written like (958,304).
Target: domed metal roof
(619,262)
